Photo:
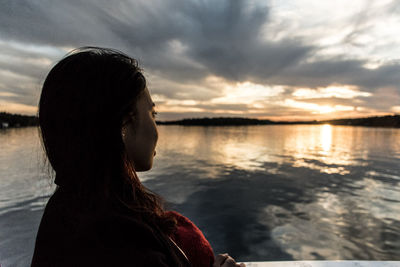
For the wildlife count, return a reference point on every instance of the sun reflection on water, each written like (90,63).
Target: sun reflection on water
(325,148)
(326,138)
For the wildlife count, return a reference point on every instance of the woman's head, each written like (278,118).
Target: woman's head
(87,98)
(95,121)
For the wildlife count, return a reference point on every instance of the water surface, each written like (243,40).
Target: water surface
(258,192)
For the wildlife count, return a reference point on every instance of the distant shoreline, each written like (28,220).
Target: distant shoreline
(8,120)
(390,121)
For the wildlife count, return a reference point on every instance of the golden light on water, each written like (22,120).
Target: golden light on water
(316,147)
(326,138)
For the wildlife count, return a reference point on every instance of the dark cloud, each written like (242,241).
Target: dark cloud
(384,98)
(227,40)
(181,41)
(60,23)
(224,37)
(346,72)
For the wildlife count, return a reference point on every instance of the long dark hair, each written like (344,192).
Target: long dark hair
(86,98)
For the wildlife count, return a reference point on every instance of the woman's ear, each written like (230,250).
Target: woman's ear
(128,126)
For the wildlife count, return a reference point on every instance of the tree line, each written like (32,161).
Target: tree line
(377,121)
(15,120)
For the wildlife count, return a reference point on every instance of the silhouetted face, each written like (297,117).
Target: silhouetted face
(140,134)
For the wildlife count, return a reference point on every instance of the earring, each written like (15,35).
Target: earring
(123,132)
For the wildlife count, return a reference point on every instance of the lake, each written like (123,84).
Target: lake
(260,193)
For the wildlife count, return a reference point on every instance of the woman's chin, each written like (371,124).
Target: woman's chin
(144,167)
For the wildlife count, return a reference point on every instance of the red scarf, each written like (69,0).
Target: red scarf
(192,241)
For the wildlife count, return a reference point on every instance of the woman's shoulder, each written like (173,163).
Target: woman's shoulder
(119,240)
(98,238)
(102,226)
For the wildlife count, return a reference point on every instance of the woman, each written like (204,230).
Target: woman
(97,123)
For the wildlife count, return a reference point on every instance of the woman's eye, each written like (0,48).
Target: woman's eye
(154,114)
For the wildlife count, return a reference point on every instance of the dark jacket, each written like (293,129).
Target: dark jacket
(71,236)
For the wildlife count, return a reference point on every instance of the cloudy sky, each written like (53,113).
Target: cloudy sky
(293,59)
